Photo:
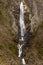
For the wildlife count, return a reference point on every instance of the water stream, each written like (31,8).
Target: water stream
(21,21)
(22,33)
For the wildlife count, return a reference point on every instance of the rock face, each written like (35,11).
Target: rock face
(36,8)
(9,18)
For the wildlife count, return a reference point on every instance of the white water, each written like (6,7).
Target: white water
(23,29)
(20,53)
(20,49)
(23,61)
(22,25)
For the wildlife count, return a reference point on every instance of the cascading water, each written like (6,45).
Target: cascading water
(20,49)
(22,32)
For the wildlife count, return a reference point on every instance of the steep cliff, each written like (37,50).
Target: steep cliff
(9,18)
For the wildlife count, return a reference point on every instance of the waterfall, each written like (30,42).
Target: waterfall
(20,53)
(22,32)
(20,49)
(23,61)
(21,21)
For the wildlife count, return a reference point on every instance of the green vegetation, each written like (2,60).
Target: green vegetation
(4,15)
(1,46)
(13,48)
(40,50)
